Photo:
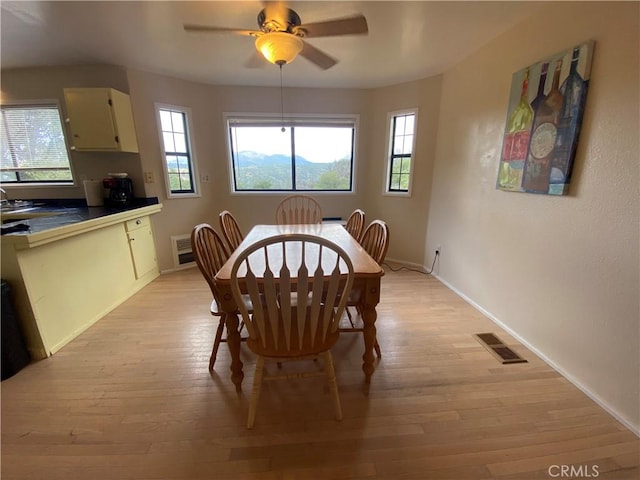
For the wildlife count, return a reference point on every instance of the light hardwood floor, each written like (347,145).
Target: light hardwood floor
(131,398)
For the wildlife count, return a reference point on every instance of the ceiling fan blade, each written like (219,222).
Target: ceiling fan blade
(317,56)
(212,29)
(356,25)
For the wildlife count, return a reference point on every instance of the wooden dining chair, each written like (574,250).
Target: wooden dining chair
(301,283)
(211,253)
(230,230)
(298,209)
(375,241)
(355,224)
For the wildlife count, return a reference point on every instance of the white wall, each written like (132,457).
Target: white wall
(562,273)
(406,216)
(208,103)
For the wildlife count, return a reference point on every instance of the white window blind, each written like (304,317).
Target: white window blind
(33,145)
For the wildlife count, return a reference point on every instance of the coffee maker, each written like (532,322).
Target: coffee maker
(120,191)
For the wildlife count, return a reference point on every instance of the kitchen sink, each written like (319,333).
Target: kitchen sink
(25,213)
(16,206)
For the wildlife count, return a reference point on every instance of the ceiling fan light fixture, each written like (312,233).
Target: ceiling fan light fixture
(279,47)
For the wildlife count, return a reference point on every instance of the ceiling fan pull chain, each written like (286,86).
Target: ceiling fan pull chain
(281,101)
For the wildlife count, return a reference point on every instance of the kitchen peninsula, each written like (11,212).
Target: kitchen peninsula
(69,266)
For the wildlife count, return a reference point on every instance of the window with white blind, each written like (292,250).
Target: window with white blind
(33,145)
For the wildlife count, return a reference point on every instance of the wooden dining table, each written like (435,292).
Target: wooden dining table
(367,275)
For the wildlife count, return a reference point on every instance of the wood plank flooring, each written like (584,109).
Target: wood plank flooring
(131,398)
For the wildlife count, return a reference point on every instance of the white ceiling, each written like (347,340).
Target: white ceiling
(406,40)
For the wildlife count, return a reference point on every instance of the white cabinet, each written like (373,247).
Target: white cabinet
(142,246)
(65,279)
(100,119)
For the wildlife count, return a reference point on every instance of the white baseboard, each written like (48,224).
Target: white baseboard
(182,267)
(409,265)
(634,428)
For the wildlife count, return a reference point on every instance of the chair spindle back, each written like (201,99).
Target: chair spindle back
(355,224)
(302,283)
(210,252)
(375,240)
(298,209)
(230,230)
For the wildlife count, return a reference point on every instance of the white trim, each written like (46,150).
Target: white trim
(387,159)
(295,119)
(186,266)
(602,403)
(190,143)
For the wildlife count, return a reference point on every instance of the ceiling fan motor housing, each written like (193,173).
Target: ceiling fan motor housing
(272,25)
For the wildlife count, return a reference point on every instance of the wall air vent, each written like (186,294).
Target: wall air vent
(182,252)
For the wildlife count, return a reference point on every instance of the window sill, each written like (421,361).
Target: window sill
(397,194)
(178,196)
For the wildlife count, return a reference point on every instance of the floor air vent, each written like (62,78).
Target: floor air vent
(498,349)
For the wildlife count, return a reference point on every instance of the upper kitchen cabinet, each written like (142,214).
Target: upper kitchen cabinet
(100,119)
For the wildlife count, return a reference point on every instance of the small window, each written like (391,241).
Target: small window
(179,162)
(402,137)
(295,154)
(33,145)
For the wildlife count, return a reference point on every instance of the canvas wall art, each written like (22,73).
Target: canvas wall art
(546,105)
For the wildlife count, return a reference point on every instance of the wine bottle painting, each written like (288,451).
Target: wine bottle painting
(545,111)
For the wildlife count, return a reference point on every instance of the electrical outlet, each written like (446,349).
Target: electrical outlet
(205,178)
(148,177)
(438,250)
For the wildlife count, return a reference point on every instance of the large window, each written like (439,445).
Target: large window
(402,134)
(301,154)
(33,145)
(179,163)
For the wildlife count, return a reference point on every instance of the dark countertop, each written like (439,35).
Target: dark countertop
(63,212)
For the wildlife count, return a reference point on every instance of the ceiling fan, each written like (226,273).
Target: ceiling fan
(282,35)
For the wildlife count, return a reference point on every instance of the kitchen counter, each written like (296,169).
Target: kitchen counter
(58,219)
(73,264)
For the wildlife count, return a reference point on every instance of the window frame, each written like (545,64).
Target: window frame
(389,156)
(45,103)
(278,120)
(191,154)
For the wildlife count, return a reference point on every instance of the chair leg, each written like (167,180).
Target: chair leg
(350,317)
(376,346)
(255,394)
(216,344)
(333,384)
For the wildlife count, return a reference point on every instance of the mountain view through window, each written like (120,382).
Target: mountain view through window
(300,158)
